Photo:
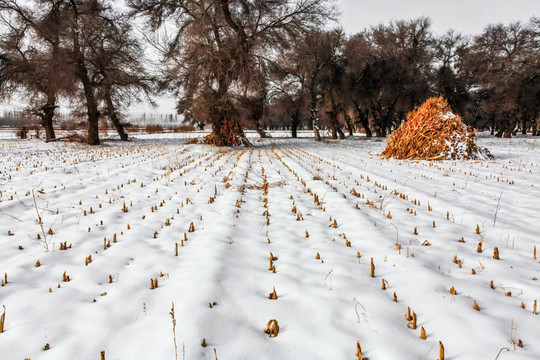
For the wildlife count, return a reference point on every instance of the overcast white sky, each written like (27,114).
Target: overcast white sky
(467,16)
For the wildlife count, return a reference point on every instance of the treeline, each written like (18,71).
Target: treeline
(263,65)
(82,50)
(14,118)
(374,78)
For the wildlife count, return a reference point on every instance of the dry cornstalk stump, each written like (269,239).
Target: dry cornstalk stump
(359,351)
(272,328)
(2,319)
(273,294)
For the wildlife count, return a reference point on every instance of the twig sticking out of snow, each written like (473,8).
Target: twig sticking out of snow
(174,331)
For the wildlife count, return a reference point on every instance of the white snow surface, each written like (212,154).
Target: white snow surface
(324,305)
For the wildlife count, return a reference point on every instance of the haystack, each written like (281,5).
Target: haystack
(231,135)
(433,132)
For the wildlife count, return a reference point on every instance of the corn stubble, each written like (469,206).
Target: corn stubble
(2,319)
(273,294)
(359,351)
(272,328)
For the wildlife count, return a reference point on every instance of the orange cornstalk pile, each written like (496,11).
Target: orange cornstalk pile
(231,132)
(433,132)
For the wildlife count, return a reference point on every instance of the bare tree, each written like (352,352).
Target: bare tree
(33,58)
(218,45)
(332,79)
(449,78)
(360,61)
(252,108)
(311,55)
(116,57)
(501,62)
(289,93)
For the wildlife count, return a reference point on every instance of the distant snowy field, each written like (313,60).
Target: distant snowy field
(280,197)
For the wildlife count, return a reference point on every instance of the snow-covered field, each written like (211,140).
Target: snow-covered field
(323,211)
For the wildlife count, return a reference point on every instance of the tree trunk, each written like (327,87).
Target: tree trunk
(509,126)
(259,130)
(93,114)
(501,128)
(387,118)
(218,114)
(363,116)
(492,123)
(47,123)
(216,137)
(314,117)
(333,125)
(336,129)
(114,116)
(349,124)
(294,125)
(230,133)
(226,130)
(313,111)
(47,118)
(379,126)
(340,132)
(91,102)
